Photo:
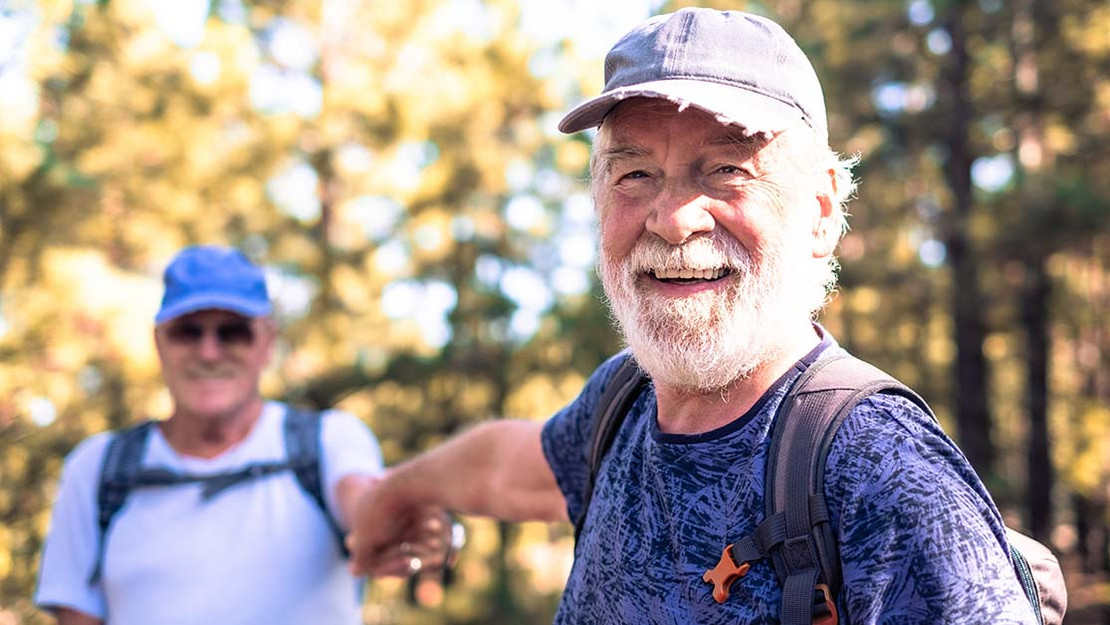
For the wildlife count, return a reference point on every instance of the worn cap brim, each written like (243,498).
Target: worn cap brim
(753,111)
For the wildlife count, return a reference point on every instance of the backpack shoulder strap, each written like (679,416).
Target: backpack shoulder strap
(811,413)
(122,461)
(623,389)
(302,445)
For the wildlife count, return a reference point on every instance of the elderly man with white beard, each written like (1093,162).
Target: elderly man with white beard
(719,206)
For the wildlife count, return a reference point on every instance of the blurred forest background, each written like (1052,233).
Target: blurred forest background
(429,241)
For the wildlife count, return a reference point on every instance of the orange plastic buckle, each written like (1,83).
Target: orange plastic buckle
(831,618)
(722,575)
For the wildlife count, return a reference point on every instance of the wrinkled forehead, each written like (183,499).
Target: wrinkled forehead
(640,119)
(651,130)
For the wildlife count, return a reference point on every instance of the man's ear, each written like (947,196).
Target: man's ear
(826,222)
(268,328)
(158,346)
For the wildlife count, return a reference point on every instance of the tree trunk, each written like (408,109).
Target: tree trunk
(972,413)
(328,193)
(505,609)
(1034,317)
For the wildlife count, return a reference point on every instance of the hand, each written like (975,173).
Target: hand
(394,536)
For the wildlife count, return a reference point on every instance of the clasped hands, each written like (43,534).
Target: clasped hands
(392,536)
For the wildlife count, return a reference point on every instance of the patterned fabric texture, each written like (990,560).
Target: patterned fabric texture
(921,541)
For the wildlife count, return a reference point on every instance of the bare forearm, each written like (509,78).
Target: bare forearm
(347,493)
(67,616)
(495,469)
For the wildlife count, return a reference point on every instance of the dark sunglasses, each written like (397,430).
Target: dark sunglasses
(230,333)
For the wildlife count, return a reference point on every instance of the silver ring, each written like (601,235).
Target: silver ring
(415,564)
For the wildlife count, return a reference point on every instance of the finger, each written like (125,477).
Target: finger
(436,536)
(435,523)
(363,556)
(433,517)
(390,569)
(425,544)
(394,563)
(428,544)
(432,556)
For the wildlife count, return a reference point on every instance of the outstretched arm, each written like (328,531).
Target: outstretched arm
(496,469)
(66,616)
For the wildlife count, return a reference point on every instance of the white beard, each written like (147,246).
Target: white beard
(709,340)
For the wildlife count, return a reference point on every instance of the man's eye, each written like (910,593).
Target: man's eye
(732,170)
(634,175)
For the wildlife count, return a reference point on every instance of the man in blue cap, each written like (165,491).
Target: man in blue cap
(234,505)
(719,206)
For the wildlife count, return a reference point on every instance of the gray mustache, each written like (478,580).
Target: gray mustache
(211,373)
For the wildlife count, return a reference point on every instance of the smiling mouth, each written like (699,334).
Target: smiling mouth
(210,375)
(690,276)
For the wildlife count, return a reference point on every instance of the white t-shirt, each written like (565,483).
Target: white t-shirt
(258,553)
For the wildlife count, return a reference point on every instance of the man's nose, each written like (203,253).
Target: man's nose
(680,213)
(209,347)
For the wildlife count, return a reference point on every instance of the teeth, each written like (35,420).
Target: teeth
(688,274)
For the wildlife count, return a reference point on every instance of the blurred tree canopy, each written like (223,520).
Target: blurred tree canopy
(429,238)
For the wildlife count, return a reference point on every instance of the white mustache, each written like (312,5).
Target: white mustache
(710,253)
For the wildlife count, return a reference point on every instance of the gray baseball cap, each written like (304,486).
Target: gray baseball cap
(742,68)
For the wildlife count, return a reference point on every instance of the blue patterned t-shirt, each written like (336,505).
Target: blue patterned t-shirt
(920,539)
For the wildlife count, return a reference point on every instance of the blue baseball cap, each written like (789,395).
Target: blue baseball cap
(208,277)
